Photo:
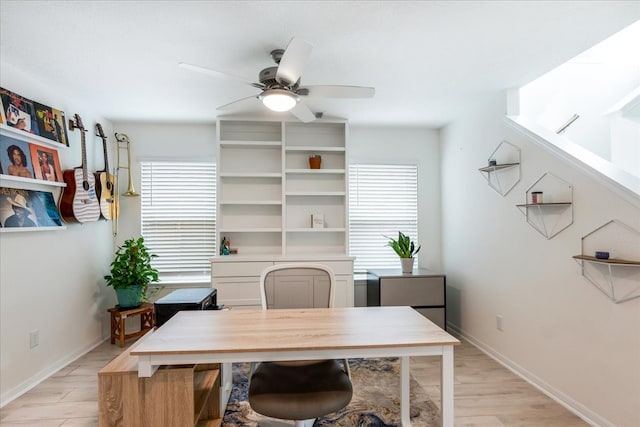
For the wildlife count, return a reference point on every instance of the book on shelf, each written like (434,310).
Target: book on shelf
(317,220)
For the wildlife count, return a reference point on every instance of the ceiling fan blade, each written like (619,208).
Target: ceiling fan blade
(293,61)
(302,112)
(329,91)
(240,103)
(218,74)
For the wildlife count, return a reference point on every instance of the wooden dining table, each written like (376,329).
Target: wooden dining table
(256,335)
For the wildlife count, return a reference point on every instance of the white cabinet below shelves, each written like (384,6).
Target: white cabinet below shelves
(237,278)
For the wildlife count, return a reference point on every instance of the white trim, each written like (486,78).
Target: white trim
(558,396)
(44,374)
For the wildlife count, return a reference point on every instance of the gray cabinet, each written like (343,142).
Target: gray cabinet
(424,290)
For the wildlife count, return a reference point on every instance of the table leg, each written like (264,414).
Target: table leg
(405,401)
(446,386)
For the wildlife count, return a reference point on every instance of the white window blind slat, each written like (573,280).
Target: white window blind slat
(383,199)
(178,216)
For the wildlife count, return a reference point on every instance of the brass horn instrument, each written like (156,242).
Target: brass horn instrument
(122,140)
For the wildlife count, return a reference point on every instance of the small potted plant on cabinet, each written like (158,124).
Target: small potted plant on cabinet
(131,273)
(405,249)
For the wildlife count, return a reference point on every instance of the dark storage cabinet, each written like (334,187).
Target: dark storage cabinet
(184,299)
(424,290)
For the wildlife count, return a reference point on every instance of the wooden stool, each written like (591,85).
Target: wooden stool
(119,317)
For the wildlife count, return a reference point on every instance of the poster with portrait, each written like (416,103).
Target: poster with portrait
(15,157)
(28,208)
(18,112)
(51,123)
(46,165)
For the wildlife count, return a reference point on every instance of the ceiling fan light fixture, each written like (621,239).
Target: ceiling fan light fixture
(278,99)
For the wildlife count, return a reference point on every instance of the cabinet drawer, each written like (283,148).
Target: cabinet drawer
(239,269)
(412,291)
(238,291)
(436,315)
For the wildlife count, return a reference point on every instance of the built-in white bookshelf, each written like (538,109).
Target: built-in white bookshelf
(268,192)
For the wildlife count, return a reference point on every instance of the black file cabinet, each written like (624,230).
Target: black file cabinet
(184,299)
(424,290)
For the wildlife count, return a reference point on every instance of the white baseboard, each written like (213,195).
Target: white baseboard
(45,373)
(575,407)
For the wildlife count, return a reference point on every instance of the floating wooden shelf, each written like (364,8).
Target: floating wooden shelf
(531,205)
(617,278)
(504,175)
(498,167)
(549,218)
(606,261)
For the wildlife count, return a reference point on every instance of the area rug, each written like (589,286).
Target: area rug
(375,402)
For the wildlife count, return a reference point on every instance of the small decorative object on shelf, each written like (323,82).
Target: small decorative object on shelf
(602,255)
(536,197)
(315,161)
(492,162)
(405,249)
(317,220)
(224,247)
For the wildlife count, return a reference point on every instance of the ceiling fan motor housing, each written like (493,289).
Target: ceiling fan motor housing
(268,78)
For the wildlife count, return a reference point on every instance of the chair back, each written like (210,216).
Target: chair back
(297,285)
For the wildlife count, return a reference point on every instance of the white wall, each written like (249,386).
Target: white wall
(559,330)
(149,141)
(51,281)
(419,146)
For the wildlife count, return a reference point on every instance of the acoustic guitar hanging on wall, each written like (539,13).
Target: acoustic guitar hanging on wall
(79,202)
(107,196)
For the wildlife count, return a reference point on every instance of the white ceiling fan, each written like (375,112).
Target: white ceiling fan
(280,85)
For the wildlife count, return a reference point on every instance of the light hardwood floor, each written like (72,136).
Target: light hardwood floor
(486,394)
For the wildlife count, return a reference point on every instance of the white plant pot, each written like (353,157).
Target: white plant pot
(407,265)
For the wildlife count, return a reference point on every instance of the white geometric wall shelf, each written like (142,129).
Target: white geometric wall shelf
(505,173)
(549,205)
(618,277)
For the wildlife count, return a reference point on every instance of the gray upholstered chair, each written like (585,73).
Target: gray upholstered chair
(299,390)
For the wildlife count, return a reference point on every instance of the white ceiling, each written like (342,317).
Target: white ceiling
(428,60)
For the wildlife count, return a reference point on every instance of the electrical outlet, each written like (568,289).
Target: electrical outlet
(499,320)
(34,338)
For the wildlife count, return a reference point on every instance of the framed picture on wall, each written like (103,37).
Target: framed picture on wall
(46,165)
(15,157)
(18,112)
(51,124)
(28,209)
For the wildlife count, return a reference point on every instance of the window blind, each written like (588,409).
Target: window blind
(178,214)
(383,199)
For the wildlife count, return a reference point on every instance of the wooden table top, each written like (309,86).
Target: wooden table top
(257,330)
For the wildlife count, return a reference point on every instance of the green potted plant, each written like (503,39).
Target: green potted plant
(405,249)
(131,273)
